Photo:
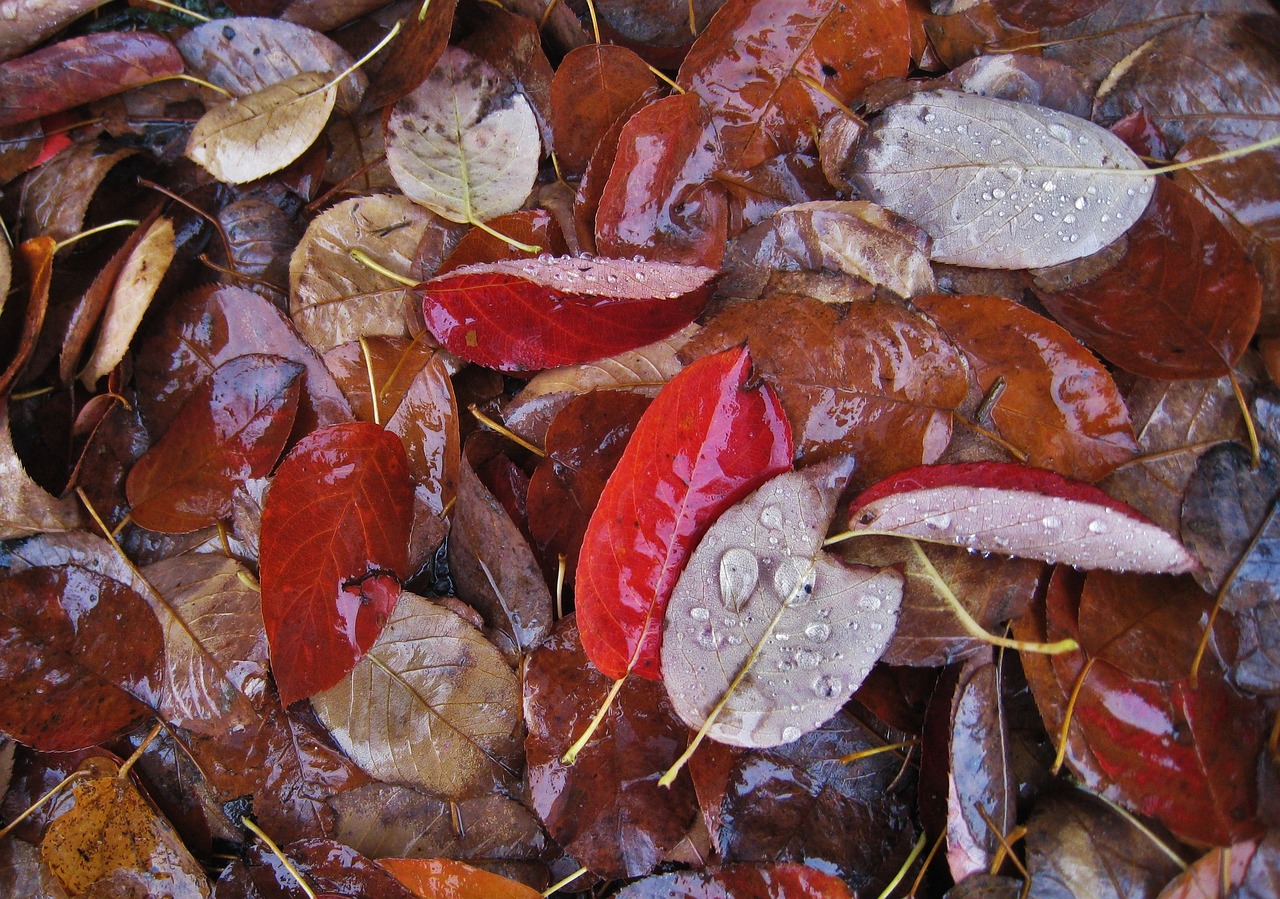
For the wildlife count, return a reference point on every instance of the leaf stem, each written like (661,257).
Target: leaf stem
(571,754)
(1255,450)
(662,76)
(35,806)
(924,865)
(208,85)
(367,261)
(1006,846)
(122,223)
(142,747)
(993,437)
(373,383)
(669,778)
(1147,832)
(693,20)
(560,572)
(507,239)
(816,85)
(595,24)
(1067,715)
(975,629)
(505,432)
(876,750)
(906,866)
(561,884)
(377,48)
(284,860)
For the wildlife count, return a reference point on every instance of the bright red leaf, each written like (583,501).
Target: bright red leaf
(540,313)
(334,544)
(710,438)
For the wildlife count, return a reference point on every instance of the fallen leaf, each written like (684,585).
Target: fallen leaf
(1249,869)
(706,441)
(464,143)
(1005,188)
(413,54)
(431,704)
(533,227)
(1226,501)
(1254,603)
(335,533)
(764,881)
(56,196)
(766,635)
(35,20)
(436,878)
(1148,626)
(331,870)
(1014,510)
(28,508)
(593,85)
(37,261)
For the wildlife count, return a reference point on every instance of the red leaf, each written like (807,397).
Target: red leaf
(231,429)
(1182,302)
(335,533)
(708,440)
(1018,511)
(81,70)
(541,313)
(78,650)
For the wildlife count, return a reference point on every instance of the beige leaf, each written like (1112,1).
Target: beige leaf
(765,620)
(465,142)
(432,704)
(245,55)
(244,139)
(27,508)
(131,296)
(333,298)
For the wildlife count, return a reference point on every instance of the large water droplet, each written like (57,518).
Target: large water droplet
(869,603)
(1051,521)
(787,580)
(771,517)
(706,638)
(938,522)
(791,733)
(739,573)
(1097,527)
(818,631)
(826,686)
(700,614)
(808,659)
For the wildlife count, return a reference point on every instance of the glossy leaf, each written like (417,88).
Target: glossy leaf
(1058,405)
(334,298)
(1148,626)
(37,257)
(330,869)
(750,64)
(81,70)
(593,85)
(765,881)
(432,704)
(706,441)
(335,533)
(82,657)
(536,313)
(112,832)
(767,623)
(244,139)
(464,143)
(413,54)
(1013,510)
(535,227)
(438,878)
(1182,301)
(131,296)
(999,184)
(396,362)
(612,788)
(233,428)
(1249,869)
(869,379)
(28,508)
(56,196)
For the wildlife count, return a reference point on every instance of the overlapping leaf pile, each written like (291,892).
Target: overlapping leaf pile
(829,473)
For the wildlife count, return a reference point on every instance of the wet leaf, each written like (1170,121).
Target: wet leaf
(396,362)
(763,881)
(612,788)
(28,508)
(1146,625)
(1249,869)
(534,227)
(1254,602)
(750,64)
(36,20)
(37,258)
(331,869)
(335,534)
(442,877)
(413,54)
(1003,187)
(130,298)
(1226,502)
(540,313)
(592,87)
(432,704)
(765,621)
(1013,510)
(244,139)
(260,238)
(82,657)
(210,328)
(81,70)
(1182,302)
(233,428)
(1058,404)
(244,55)
(706,441)
(112,827)
(464,143)
(334,298)
(1076,845)
(869,379)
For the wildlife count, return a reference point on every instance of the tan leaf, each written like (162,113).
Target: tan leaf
(27,508)
(244,139)
(465,142)
(135,288)
(433,704)
(333,298)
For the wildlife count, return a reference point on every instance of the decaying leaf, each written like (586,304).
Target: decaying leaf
(464,143)
(767,622)
(1000,184)
(28,508)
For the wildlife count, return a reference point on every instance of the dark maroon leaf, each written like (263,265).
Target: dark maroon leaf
(331,869)
(1148,626)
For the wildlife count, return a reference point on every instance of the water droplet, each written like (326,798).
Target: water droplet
(1048,185)
(613,279)
(791,733)
(733,640)
(1051,521)
(808,659)
(998,194)
(781,637)
(787,580)
(1097,527)
(869,603)
(1037,216)
(962,128)
(929,117)
(1131,192)
(986,195)
(639,276)
(1081,202)
(739,573)
(1068,219)
(826,686)
(773,541)
(1061,132)
(938,522)
(700,614)
(876,626)
(818,631)
(707,639)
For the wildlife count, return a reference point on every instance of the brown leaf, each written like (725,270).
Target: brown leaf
(37,261)
(413,54)
(592,87)
(55,199)
(27,508)
(31,21)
